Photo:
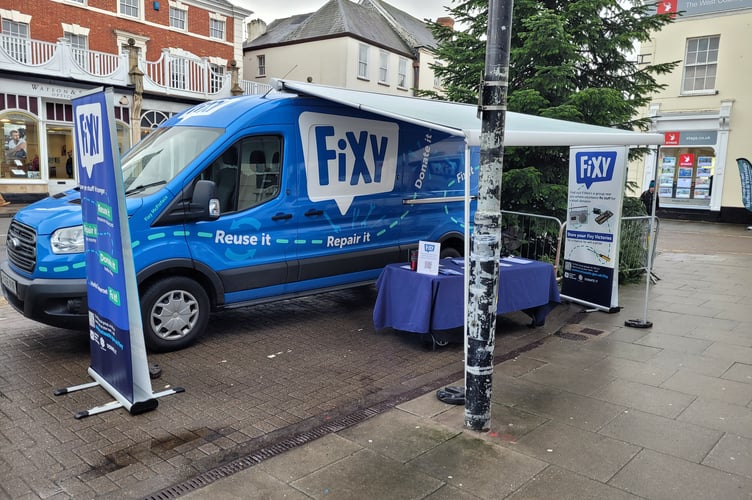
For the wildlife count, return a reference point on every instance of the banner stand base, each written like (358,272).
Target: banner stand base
(134,409)
(638,323)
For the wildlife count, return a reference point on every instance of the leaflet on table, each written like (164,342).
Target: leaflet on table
(516,260)
(450,272)
(428,257)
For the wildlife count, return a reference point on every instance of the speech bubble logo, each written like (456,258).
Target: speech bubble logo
(89,135)
(347,157)
(595,167)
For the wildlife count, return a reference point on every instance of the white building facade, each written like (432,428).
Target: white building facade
(705,112)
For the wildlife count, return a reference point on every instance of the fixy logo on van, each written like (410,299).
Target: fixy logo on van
(347,157)
(595,166)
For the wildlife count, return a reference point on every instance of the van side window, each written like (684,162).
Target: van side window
(247,173)
(260,169)
(224,172)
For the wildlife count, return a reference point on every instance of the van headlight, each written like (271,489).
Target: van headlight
(68,240)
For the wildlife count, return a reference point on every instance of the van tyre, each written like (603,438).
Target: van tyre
(174,311)
(449,253)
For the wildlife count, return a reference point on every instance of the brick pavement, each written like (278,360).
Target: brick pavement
(261,374)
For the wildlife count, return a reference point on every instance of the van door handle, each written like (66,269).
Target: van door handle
(311,212)
(281,216)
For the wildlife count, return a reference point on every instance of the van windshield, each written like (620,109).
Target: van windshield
(162,155)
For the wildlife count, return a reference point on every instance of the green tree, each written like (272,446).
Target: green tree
(569,59)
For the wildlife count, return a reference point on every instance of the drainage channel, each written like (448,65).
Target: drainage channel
(308,436)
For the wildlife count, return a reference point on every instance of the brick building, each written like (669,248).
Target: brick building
(159,56)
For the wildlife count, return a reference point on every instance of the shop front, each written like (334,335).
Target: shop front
(692,163)
(686,169)
(36,120)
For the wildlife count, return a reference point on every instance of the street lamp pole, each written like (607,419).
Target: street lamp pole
(486,245)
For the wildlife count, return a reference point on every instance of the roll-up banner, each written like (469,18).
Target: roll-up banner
(591,249)
(118,352)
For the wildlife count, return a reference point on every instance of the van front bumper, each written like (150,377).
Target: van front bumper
(55,302)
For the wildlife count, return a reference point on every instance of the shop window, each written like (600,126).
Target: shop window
(123,132)
(686,175)
(20,145)
(60,152)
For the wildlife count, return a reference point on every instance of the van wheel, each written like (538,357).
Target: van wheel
(449,253)
(174,311)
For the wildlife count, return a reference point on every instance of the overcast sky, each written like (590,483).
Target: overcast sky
(269,10)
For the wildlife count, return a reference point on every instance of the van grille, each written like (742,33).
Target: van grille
(22,246)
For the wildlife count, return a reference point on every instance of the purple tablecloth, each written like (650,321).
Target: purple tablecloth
(421,303)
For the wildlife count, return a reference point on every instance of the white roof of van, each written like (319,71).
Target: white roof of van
(462,119)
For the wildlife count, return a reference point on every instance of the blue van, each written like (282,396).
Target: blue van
(248,200)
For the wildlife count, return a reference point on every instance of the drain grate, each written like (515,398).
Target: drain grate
(308,436)
(591,331)
(570,336)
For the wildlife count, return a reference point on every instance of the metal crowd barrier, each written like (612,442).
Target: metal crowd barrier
(541,237)
(635,244)
(537,237)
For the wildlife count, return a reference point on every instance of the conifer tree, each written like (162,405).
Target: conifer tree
(569,59)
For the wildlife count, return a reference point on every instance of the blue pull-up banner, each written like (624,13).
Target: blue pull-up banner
(118,352)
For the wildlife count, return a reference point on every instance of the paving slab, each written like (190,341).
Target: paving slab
(680,439)
(658,476)
(635,371)
(716,414)
(303,460)
(732,454)
(590,454)
(398,435)
(644,397)
(729,391)
(562,484)
(478,467)
(367,474)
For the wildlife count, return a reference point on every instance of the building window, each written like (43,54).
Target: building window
(20,155)
(79,48)
(178,18)
(261,65)
(16,40)
(363,61)
(402,73)
(384,67)
(700,64)
(151,120)
(217,29)
(216,77)
(129,7)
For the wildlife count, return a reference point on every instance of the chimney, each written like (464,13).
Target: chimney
(446,21)
(255,28)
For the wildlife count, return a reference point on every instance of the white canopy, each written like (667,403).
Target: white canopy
(462,119)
